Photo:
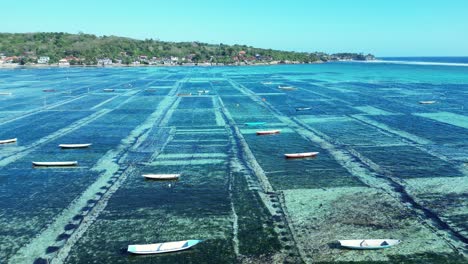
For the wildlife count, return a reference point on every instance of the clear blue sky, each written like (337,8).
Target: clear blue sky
(382,27)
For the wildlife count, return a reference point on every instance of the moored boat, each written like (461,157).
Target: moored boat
(289,88)
(162,247)
(427,102)
(5,93)
(303,108)
(108,90)
(69,146)
(161,176)
(48,90)
(369,243)
(254,123)
(6,141)
(268,132)
(301,155)
(267,83)
(54,163)
(203,91)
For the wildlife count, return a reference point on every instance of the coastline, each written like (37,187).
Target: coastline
(116,65)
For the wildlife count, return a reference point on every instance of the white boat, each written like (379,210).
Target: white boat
(108,90)
(69,146)
(162,176)
(427,102)
(162,247)
(369,243)
(54,163)
(6,141)
(301,155)
(282,87)
(5,93)
(203,91)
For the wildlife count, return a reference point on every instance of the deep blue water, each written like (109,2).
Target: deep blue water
(386,163)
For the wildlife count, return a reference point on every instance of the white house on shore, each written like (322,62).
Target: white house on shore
(43,60)
(104,61)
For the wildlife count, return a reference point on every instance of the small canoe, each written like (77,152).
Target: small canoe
(162,247)
(369,243)
(303,108)
(54,163)
(289,88)
(6,141)
(5,93)
(254,123)
(48,90)
(108,90)
(161,176)
(70,146)
(184,94)
(268,132)
(427,102)
(301,155)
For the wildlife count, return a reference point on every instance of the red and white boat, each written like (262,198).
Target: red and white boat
(268,132)
(301,155)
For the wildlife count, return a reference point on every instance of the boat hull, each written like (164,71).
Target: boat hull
(269,132)
(160,248)
(161,176)
(72,146)
(55,164)
(7,141)
(369,244)
(301,155)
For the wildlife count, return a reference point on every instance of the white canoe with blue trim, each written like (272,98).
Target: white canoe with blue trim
(369,243)
(162,247)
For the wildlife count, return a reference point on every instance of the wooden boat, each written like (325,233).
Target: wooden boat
(369,243)
(5,93)
(162,247)
(54,163)
(108,90)
(288,88)
(70,146)
(184,94)
(6,141)
(161,176)
(427,102)
(254,123)
(268,132)
(48,90)
(301,155)
(303,108)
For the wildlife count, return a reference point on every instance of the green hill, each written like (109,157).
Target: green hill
(87,49)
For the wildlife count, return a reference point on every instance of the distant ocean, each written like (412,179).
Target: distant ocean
(443,61)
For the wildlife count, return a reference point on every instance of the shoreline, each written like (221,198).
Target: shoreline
(56,65)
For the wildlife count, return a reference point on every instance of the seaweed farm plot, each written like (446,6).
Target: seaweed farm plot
(388,167)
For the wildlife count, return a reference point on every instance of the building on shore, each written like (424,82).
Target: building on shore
(43,60)
(63,63)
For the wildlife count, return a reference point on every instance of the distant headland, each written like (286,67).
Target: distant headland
(64,49)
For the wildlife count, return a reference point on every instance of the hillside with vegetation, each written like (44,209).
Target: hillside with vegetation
(87,49)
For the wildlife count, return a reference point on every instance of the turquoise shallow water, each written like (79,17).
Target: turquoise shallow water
(388,166)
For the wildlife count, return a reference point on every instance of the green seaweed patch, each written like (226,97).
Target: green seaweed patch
(256,234)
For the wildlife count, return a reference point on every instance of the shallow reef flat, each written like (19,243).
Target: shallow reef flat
(388,166)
